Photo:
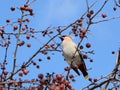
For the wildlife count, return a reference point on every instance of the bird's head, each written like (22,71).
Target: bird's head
(65,37)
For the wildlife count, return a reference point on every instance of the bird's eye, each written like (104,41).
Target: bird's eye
(64,36)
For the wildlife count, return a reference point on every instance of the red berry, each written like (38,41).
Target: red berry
(81,35)
(15,27)
(88,15)
(71,76)
(37,66)
(25,5)
(10,82)
(1,33)
(8,37)
(66,82)
(31,30)
(91,60)
(5,72)
(79,20)
(84,56)
(76,34)
(84,31)
(69,86)
(12,8)
(30,9)
(27,8)
(62,86)
(67,68)
(23,28)
(95,80)
(90,79)
(48,57)
(80,23)
(27,20)
(59,76)
(88,45)
(28,36)
(31,13)
(81,47)
(19,20)
(7,20)
(45,52)
(16,84)
(52,87)
(74,29)
(91,12)
(40,76)
(115,8)
(42,81)
(21,43)
(20,74)
(58,29)
(53,80)
(113,52)
(25,72)
(52,45)
(28,45)
(104,15)
(40,87)
(47,46)
(39,59)
(34,63)
(1,87)
(22,8)
(51,31)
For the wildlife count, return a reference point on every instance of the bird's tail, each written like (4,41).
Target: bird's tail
(86,76)
(82,68)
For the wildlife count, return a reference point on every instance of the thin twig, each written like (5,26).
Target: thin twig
(16,48)
(105,20)
(99,9)
(117,4)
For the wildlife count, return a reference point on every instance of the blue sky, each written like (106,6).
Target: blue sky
(104,37)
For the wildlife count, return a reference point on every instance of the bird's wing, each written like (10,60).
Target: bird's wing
(82,66)
(75,69)
(80,54)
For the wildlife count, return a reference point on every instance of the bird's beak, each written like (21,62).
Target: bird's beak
(60,37)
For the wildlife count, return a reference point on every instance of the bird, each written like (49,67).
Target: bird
(72,55)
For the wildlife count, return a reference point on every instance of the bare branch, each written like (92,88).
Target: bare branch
(16,48)
(105,20)
(117,4)
(100,9)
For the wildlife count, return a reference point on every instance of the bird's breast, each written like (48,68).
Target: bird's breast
(68,51)
(71,55)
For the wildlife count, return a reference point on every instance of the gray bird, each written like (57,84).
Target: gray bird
(73,56)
